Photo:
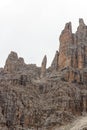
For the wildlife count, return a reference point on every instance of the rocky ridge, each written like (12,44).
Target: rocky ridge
(37,98)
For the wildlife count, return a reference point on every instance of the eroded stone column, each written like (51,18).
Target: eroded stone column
(43,66)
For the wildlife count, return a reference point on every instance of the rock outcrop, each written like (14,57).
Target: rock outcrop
(13,63)
(66,40)
(43,66)
(54,65)
(73,52)
(36,98)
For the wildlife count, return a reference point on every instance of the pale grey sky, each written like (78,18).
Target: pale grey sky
(32,27)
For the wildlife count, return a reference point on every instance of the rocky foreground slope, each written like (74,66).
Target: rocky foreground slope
(36,98)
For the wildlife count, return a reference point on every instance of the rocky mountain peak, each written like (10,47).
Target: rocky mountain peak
(40,98)
(81,22)
(12,56)
(72,51)
(68,26)
(43,66)
(13,62)
(81,32)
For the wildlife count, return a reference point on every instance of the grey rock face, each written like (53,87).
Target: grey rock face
(54,65)
(13,63)
(43,66)
(73,52)
(36,98)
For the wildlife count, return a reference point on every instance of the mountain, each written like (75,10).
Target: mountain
(40,98)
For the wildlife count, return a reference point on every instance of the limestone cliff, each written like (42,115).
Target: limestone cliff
(73,52)
(36,98)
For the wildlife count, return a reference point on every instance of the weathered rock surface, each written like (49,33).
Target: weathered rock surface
(73,52)
(43,66)
(13,63)
(36,98)
(54,65)
(66,40)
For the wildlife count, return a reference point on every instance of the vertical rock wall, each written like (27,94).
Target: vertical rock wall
(73,49)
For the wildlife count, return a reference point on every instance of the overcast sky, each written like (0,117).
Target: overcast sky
(32,27)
